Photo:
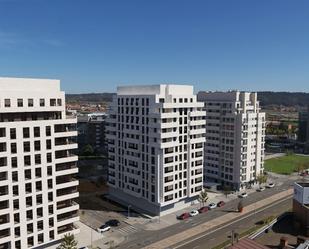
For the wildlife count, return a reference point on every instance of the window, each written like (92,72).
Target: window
(49,170)
(48,144)
(36,131)
(48,131)
(2,132)
(38,186)
(14,162)
(26,146)
(49,157)
(26,132)
(20,102)
(3,161)
(27,160)
(38,172)
(13,148)
(37,159)
(42,102)
(50,183)
(30,102)
(52,102)
(2,147)
(37,145)
(59,102)
(7,103)
(13,133)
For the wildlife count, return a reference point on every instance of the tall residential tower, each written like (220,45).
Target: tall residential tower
(156,137)
(37,164)
(234,151)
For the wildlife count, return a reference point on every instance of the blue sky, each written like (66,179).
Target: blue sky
(95,45)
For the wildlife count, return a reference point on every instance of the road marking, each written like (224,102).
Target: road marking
(235,221)
(127,230)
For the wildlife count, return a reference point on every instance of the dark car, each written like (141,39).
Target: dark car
(183,216)
(220,204)
(203,210)
(112,223)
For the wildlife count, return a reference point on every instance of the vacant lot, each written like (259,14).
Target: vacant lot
(286,164)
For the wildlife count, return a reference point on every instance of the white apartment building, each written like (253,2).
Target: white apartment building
(156,136)
(235,131)
(37,164)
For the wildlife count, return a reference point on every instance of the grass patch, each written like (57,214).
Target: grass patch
(285,165)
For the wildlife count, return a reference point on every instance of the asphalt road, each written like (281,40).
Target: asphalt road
(216,237)
(144,238)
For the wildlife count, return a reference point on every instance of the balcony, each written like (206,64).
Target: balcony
(63,156)
(69,228)
(67,193)
(65,130)
(66,168)
(66,206)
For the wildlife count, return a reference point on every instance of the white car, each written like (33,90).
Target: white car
(243,195)
(212,205)
(103,228)
(271,185)
(194,213)
(260,189)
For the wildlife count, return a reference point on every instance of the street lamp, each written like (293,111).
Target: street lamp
(129,211)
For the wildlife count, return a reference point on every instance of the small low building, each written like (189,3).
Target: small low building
(301,206)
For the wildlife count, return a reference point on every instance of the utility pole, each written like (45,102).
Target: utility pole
(129,211)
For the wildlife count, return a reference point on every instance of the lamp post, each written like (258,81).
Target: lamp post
(129,211)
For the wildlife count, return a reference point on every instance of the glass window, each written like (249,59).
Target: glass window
(30,102)
(20,102)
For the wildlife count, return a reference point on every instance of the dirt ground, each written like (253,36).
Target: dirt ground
(95,208)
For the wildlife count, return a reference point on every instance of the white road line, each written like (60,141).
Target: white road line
(228,224)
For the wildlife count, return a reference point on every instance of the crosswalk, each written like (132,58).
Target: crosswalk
(127,230)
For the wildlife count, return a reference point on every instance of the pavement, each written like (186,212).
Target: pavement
(217,236)
(145,237)
(220,221)
(140,232)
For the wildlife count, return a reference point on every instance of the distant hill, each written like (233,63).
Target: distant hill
(89,97)
(265,98)
(284,98)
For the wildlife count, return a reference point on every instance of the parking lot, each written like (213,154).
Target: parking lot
(96,208)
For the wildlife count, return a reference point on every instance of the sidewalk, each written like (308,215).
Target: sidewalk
(170,219)
(202,228)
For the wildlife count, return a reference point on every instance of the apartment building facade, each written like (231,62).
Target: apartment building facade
(303,130)
(235,132)
(91,131)
(155,137)
(37,164)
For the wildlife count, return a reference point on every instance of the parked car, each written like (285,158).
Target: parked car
(203,209)
(112,223)
(220,204)
(103,228)
(194,212)
(271,185)
(243,195)
(260,189)
(183,216)
(212,205)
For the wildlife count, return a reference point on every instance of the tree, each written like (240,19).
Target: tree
(68,242)
(262,178)
(240,206)
(87,150)
(203,197)
(227,190)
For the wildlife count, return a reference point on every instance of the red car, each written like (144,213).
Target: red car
(220,204)
(183,216)
(203,210)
